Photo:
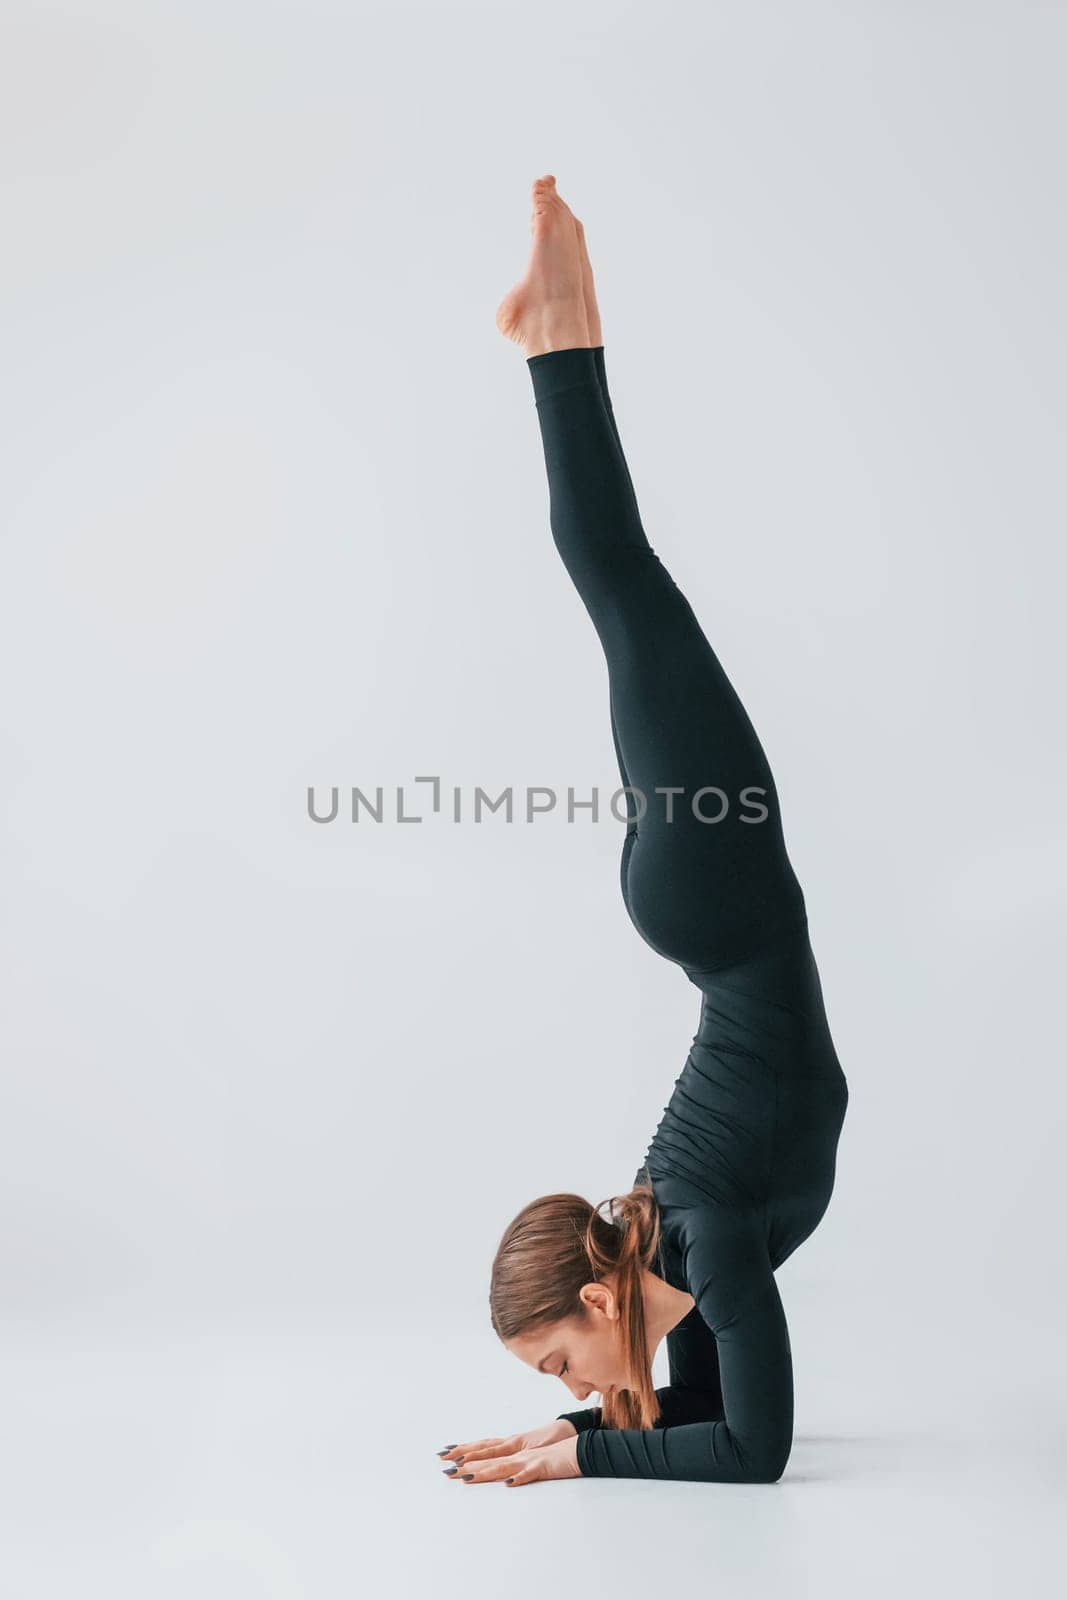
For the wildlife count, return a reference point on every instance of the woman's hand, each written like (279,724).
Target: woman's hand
(488,1462)
(530,1439)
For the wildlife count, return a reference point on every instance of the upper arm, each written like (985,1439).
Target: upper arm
(731,1279)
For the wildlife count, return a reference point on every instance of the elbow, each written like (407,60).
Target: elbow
(768,1463)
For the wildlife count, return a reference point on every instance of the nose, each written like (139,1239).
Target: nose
(580,1391)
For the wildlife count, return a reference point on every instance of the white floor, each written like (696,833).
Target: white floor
(234,1464)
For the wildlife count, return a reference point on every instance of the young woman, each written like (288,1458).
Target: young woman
(741,1167)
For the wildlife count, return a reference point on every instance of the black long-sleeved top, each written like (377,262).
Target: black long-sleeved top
(743,1160)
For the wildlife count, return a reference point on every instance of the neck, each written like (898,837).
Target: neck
(664,1309)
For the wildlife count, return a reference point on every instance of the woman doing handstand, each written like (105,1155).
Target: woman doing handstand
(741,1167)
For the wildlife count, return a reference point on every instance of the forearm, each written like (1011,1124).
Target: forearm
(676,1405)
(581,1420)
(703,1452)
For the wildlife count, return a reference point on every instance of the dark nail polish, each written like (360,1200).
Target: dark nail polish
(509,1480)
(448,1471)
(467,1476)
(459,1461)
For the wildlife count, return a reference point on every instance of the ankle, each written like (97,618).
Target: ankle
(557,333)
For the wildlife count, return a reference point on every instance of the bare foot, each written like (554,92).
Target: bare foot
(546,309)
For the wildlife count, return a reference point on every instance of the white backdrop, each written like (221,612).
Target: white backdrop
(275,515)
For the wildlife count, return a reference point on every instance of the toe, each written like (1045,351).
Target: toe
(544,191)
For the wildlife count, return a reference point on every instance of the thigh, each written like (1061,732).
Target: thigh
(706,875)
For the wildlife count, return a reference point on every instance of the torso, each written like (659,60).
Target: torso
(755,1116)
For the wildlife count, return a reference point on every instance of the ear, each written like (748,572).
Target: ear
(599,1297)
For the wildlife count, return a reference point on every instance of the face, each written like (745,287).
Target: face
(582,1351)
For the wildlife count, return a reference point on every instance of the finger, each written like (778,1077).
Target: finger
(488,1471)
(485,1452)
(461,1449)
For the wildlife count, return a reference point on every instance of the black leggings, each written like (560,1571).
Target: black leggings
(705,875)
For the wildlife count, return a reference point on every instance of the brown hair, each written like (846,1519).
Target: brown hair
(555,1245)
